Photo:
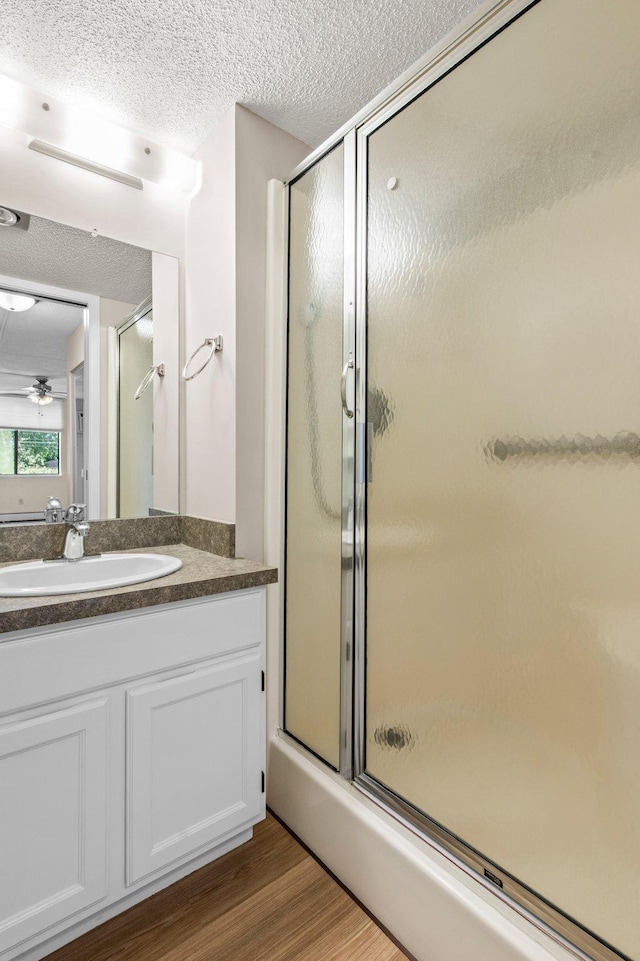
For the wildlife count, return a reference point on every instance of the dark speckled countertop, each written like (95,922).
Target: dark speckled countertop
(202,574)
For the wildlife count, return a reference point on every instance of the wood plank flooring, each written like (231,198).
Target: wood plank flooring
(268,900)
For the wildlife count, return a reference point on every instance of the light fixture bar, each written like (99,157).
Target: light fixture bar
(58,154)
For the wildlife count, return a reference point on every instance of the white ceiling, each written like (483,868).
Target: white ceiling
(171,70)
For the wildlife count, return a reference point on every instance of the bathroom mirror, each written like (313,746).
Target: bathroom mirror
(89,376)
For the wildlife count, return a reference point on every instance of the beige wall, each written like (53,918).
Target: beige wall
(26,495)
(75,348)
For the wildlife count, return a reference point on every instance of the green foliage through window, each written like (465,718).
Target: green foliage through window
(29,451)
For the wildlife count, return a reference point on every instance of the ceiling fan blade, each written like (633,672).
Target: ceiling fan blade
(26,392)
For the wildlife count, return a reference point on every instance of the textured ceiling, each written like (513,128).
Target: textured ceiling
(34,342)
(171,70)
(52,253)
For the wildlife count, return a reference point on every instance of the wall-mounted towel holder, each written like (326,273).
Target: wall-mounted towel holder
(623,444)
(146,380)
(215,346)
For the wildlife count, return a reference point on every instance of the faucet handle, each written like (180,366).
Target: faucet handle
(54,512)
(75,513)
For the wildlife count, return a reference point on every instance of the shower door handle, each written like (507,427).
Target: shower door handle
(343,386)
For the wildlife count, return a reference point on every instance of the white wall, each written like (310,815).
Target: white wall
(225,294)
(166,390)
(209,400)
(263,152)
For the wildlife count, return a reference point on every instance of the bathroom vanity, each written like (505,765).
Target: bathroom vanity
(131,743)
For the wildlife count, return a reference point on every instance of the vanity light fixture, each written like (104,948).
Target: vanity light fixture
(78,135)
(8,218)
(16,302)
(58,154)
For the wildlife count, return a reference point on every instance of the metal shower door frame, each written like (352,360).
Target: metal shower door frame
(569,934)
(347,509)
(477,30)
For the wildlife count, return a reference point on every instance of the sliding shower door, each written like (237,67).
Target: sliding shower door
(314,607)
(503,503)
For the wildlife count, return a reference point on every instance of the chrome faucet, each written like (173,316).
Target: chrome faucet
(75,513)
(74,541)
(78,528)
(54,513)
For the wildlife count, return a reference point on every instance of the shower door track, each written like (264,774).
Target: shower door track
(567,933)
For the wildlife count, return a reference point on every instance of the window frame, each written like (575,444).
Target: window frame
(16,432)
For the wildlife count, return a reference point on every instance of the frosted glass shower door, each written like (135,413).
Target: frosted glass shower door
(135,419)
(314,458)
(503,508)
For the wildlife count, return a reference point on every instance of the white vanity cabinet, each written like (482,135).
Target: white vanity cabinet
(193,762)
(131,752)
(53,817)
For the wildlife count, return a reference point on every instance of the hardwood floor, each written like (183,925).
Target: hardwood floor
(266,901)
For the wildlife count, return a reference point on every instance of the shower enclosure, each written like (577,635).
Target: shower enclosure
(134,490)
(462,603)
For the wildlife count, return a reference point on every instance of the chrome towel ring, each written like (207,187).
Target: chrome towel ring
(146,380)
(215,346)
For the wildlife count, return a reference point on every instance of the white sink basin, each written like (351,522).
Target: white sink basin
(37,578)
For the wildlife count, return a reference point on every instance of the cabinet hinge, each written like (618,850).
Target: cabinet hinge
(262,682)
(262,781)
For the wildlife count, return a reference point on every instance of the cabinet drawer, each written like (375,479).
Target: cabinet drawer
(53,821)
(194,753)
(109,650)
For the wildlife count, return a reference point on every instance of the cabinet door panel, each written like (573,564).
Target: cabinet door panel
(53,827)
(194,757)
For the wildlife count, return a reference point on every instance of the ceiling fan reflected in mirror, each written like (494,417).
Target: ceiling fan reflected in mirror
(13,384)
(41,392)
